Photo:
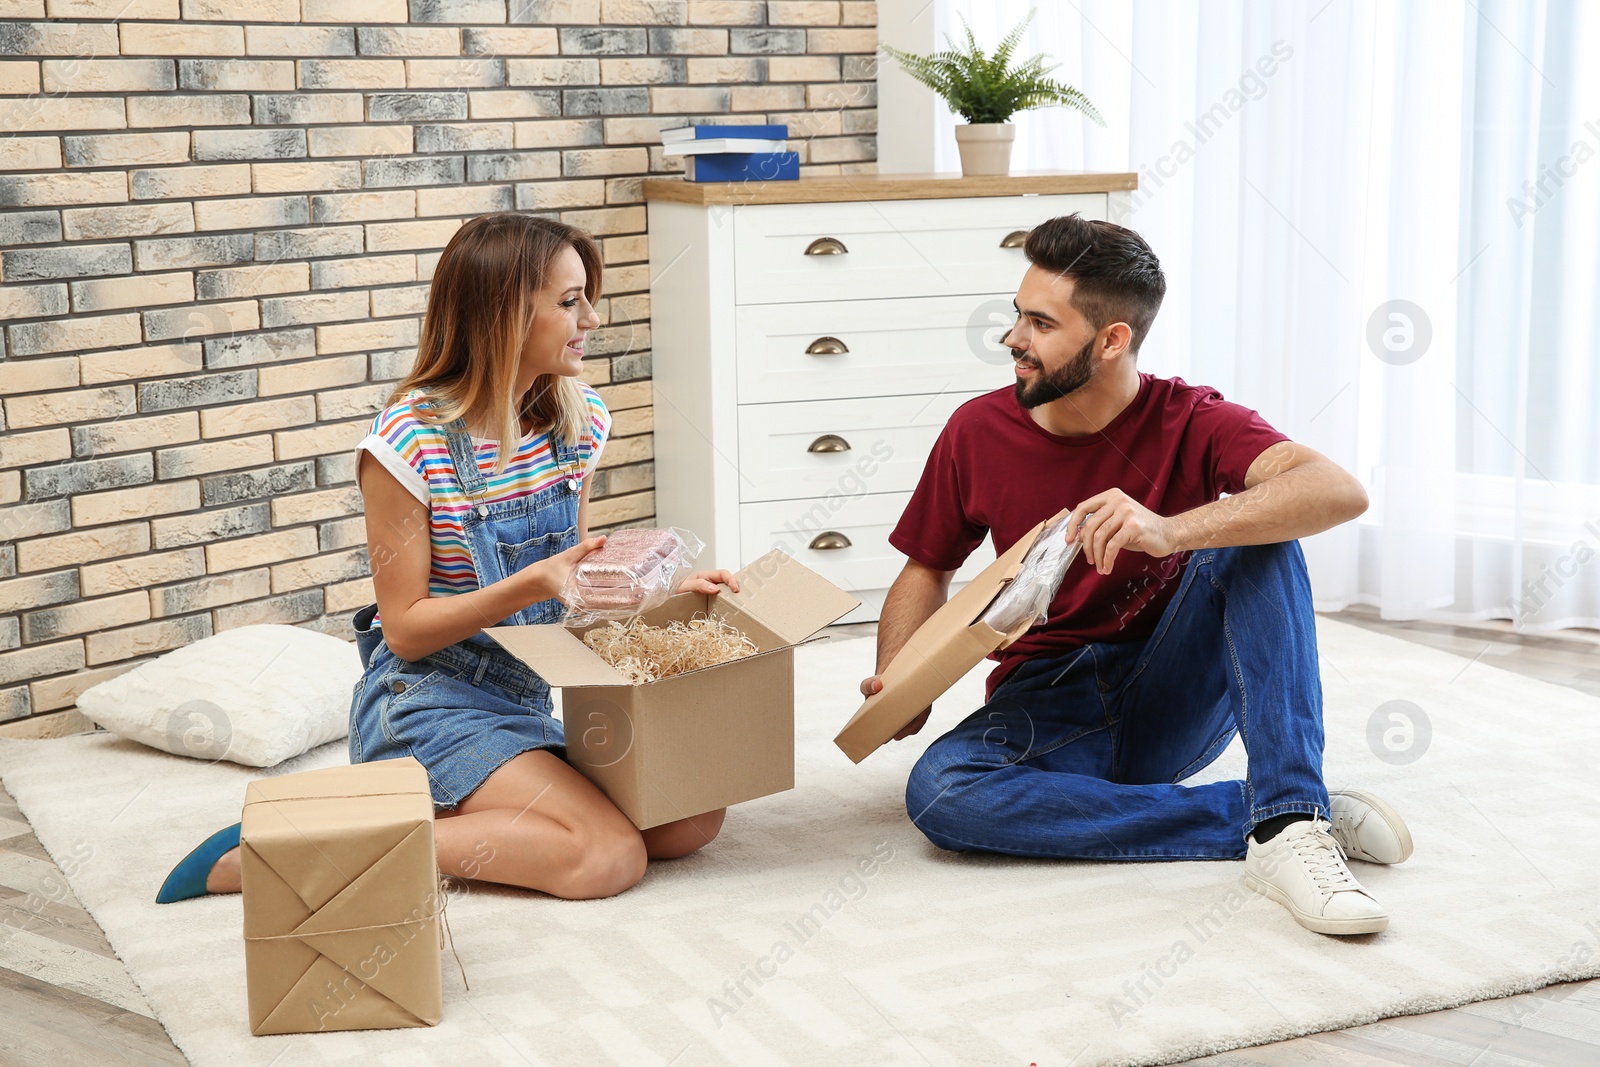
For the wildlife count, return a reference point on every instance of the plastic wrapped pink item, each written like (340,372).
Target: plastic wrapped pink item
(634,572)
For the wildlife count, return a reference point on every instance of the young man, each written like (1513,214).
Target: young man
(1186,620)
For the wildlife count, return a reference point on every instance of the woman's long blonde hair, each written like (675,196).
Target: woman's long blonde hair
(480,310)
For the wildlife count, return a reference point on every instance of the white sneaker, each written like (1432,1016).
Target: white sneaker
(1367,828)
(1303,869)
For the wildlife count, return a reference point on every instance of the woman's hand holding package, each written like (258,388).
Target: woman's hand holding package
(548,576)
(708,582)
(636,572)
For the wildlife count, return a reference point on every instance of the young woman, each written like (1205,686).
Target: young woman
(463,534)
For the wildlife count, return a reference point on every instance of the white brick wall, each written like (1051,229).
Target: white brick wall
(217,223)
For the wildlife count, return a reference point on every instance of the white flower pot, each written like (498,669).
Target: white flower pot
(985,147)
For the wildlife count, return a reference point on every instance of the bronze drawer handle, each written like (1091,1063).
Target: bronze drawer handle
(826,246)
(830,540)
(829,442)
(1014,239)
(827,346)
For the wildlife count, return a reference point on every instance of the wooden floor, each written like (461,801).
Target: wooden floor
(66,999)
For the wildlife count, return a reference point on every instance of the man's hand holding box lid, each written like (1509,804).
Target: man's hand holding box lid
(953,641)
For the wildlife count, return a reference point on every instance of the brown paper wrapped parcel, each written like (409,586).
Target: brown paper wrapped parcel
(341,902)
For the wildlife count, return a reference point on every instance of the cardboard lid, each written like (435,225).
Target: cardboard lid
(938,655)
(787,597)
(777,591)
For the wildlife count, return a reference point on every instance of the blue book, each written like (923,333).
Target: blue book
(747,167)
(694,133)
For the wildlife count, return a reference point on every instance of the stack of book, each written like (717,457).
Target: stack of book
(733,153)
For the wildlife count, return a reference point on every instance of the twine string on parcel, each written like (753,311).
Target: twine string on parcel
(444,929)
(441,913)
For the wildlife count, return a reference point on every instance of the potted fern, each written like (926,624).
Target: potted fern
(987,90)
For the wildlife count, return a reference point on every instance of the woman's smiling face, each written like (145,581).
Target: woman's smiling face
(562,315)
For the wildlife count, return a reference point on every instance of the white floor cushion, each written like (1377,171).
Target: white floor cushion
(256,696)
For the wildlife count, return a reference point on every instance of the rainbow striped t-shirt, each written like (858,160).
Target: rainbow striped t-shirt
(418,456)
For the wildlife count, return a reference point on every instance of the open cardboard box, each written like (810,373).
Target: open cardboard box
(952,642)
(702,740)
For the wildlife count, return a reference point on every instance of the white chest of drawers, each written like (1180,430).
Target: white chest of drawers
(811,338)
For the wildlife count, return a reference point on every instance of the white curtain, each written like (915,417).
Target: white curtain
(1380,225)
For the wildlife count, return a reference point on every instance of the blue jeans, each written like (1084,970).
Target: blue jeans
(1080,755)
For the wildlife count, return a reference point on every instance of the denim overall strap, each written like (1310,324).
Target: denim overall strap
(503,537)
(464,459)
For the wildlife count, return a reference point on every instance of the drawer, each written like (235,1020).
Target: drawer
(888,248)
(879,445)
(864,521)
(872,347)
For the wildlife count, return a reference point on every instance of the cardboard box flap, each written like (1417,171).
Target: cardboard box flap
(938,655)
(559,657)
(787,597)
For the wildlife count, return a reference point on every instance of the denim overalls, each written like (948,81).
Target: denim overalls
(468,708)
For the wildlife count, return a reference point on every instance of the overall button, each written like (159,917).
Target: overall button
(397,686)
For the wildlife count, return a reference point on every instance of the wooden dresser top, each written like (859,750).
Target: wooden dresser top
(844,187)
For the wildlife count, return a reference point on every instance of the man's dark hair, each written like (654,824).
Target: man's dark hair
(1115,276)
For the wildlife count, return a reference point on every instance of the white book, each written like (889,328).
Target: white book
(690,133)
(712,145)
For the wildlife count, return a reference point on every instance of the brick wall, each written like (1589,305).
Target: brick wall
(217,223)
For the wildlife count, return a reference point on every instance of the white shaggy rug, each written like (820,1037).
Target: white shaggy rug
(933,957)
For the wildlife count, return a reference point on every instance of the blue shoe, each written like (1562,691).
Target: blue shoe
(188,878)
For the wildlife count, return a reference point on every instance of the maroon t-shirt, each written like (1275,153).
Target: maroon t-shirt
(994,470)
